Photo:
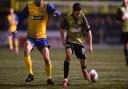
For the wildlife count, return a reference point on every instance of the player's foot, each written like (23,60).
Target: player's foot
(65,82)
(30,78)
(50,82)
(86,75)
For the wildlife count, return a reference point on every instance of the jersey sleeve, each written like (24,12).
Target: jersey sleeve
(50,8)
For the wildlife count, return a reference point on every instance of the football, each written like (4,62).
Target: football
(93,76)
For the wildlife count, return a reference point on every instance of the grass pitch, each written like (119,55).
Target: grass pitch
(109,63)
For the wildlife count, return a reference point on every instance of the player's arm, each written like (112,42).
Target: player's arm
(62,27)
(90,41)
(89,33)
(22,16)
(52,10)
(62,36)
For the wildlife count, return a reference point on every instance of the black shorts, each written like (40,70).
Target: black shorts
(78,49)
(125,37)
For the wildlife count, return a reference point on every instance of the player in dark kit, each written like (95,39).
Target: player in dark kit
(123,18)
(76,25)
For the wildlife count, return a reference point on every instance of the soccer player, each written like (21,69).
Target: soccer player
(12,33)
(76,25)
(37,12)
(123,17)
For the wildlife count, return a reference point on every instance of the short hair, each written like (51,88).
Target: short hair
(76,7)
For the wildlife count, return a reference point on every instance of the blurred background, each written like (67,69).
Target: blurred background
(101,15)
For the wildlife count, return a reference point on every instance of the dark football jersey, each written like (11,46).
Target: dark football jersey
(75,28)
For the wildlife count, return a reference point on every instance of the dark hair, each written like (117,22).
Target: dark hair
(76,7)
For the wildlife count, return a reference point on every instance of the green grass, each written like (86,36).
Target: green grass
(109,63)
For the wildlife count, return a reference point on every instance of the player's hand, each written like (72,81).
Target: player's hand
(90,50)
(57,13)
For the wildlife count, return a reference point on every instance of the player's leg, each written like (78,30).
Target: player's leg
(43,47)
(67,60)
(68,52)
(48,65)
(27,59)
(84,69)
(10,41)
(80,54)
(16,43)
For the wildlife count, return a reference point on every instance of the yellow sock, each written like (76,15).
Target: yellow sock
(10,42)
(48,70)
(28,63)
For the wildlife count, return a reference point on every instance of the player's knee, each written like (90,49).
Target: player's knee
(26,52)
(46,56)
(68,57)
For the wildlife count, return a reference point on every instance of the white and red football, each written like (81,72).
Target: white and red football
(93,76)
